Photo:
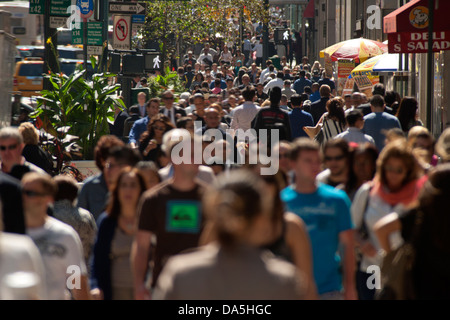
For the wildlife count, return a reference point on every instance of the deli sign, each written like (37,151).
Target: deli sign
(407,27)
(417,42)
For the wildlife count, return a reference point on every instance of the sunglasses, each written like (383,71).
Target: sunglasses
(159,128)
(10,147)
(168,98)
(397,170)
(31,193)
(337,158)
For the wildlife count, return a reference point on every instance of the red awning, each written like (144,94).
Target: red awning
(309,11)
(413,17)
(407,27)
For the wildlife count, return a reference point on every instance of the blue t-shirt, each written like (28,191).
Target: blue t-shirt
(376,124)
(299,119)
(326,213)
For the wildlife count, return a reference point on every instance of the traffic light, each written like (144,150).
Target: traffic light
(281,35)
(153,61)
(133,64)
(114,66)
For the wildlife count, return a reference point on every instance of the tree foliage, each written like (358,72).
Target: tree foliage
(190,22)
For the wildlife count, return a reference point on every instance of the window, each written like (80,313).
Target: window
(31,70)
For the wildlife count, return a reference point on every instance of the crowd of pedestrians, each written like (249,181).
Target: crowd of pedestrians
(351,174)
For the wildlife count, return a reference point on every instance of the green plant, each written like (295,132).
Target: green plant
(82,106)
(169,81)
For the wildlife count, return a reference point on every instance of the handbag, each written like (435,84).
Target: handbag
(319,137)
(397,281)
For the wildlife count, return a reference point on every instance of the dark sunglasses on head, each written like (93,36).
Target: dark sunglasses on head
(31,193)
(10,147)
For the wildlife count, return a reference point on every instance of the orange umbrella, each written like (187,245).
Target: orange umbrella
(355,49)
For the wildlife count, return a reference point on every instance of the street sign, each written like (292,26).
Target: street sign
(86,8)
(58,22)
(138,18)
(94,34)
(59,8)
(37,7)
(95,50)
(127,7)
(122,32)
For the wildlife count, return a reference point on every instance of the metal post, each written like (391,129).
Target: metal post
(85,36)
(104,19)
(430,70)
(266,35)
(50,62)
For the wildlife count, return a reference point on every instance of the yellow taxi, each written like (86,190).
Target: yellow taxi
(28,79)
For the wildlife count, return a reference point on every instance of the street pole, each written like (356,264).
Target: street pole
(430,92)
(50,62)
(104,19)
(85,36)
(266,34)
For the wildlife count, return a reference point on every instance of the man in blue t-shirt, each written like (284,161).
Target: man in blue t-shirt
(300,84)
(298,117)
(378,122)
(326,213)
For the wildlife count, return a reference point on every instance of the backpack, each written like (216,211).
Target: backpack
(397,281)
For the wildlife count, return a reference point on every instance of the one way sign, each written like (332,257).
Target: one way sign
(127,7)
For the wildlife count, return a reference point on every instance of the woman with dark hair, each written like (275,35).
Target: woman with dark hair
(151,140)
(407,113)
(240,73)
(111,269)
(397,183)
(363,161)
(430,216)
(331,123)
(392,100)
(186,123)
(198,80)
(290,239)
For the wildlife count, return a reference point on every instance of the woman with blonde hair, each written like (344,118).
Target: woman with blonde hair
(397,183)
(427,227)
(32,152)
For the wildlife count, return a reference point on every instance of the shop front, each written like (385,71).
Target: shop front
(425,52)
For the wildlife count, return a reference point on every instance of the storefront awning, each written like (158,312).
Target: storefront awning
(309,11)
(413,17)
(407,27)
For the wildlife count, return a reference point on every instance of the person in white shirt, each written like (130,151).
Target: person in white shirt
(277,82)
(355,122)
(244,114)
(59,244)
(258,48)
(22,271)
(266,71)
